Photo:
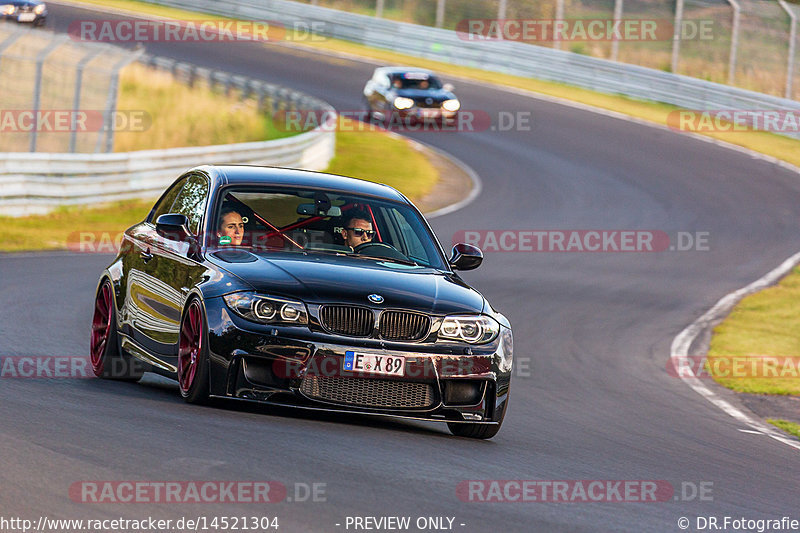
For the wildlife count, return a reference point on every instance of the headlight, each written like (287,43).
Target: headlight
(403,103)
(471,329)
(39,9)
(451,105)
(7,9)
(267,309)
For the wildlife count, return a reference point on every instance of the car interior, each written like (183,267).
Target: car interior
(307,221)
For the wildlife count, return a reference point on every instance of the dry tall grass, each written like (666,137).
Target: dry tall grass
(186,116)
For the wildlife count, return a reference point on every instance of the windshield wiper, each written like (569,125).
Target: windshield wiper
(392,259)
(326,252)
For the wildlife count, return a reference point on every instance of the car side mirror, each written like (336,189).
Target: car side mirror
(466,257)
(173,226)
(448,87)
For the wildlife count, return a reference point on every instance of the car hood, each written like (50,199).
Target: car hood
(321,278)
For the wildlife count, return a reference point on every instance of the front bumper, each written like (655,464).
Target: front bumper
(26,17)
(426,113)
(303,368)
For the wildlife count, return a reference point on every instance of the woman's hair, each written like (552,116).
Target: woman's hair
(225,212)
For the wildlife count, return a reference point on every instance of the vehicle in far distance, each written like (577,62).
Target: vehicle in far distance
(298,288)
(28,11)
(409,93)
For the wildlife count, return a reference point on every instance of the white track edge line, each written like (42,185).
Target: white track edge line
(679,351)
(477,184)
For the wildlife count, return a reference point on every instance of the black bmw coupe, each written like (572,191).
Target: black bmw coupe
(304,289)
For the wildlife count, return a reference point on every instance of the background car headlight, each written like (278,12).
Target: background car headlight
(451,105)
(267,309)
(472,329)
(7,9)
(402,102)
(39,9)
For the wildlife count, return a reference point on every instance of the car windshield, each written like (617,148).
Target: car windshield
(279,220)
(416,80)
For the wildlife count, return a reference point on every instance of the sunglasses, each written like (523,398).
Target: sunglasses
(358,232)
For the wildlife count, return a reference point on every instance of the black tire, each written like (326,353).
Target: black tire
(107,359)
(193,359)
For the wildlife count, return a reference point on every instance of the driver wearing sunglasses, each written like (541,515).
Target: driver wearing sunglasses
(357,230)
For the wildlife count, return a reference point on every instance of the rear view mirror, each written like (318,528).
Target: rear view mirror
(311,210)
(466,257)
(448,87)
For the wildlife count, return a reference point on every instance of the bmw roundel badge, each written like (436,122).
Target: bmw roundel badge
(375,298)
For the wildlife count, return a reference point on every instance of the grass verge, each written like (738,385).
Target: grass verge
(768,143)
(56,229)
(756,349)
(788,427)
(382,157)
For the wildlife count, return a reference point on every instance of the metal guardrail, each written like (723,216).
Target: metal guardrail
(272,98)
(500,56)
(37,182)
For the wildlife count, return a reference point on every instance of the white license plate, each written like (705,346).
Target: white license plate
(431,112)
(26,17)
(387,365)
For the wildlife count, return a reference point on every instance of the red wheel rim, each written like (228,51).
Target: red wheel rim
(101,326)
(189,346)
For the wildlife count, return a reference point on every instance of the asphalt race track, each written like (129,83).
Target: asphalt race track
(594,328)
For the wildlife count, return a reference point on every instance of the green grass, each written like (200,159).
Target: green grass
(399,165)
(768,143)
(788,427)
(763,325)
(383,158)
(56,230)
